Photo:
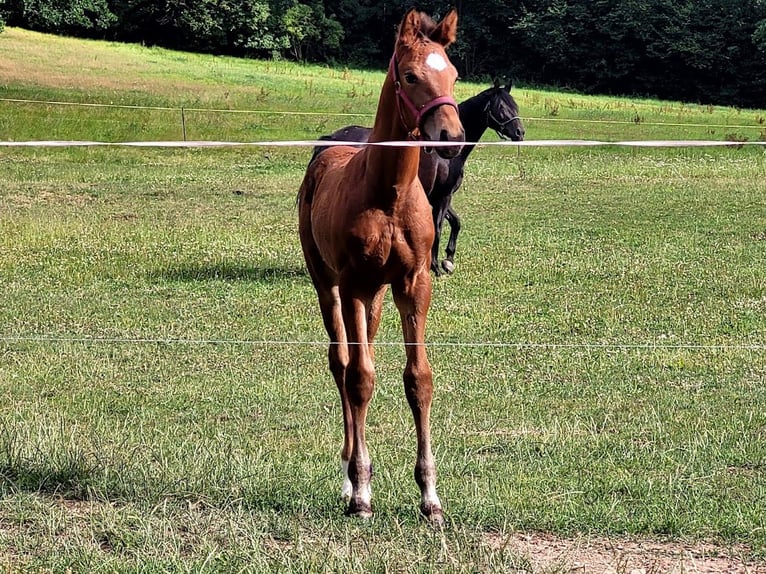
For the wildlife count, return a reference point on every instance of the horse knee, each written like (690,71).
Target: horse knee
(418,386)
(417,373)
(337,357)
(360,382)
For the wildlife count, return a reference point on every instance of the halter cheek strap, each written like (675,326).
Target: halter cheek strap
(418,112)
(500,125)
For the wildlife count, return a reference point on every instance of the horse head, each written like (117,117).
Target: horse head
(424,80)
(503,113)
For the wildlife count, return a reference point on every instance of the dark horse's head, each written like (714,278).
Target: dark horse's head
(503,113)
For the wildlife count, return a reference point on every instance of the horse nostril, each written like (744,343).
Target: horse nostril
(445,136)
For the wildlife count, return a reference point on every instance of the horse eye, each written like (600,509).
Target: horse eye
(410,78)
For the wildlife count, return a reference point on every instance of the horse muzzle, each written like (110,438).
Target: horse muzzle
(443,125)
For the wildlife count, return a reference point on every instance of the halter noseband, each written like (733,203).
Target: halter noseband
(418,112)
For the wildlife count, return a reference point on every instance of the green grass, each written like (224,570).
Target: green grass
(164,403)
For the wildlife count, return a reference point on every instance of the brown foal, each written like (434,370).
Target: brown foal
(365,223)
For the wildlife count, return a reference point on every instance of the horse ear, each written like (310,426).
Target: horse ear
(446,30)
(496,83)
(410,26)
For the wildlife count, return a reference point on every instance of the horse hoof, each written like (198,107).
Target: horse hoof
(448,266)
(434,516)
(359,510)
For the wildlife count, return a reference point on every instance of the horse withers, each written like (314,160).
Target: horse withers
(364,224)
(493,108)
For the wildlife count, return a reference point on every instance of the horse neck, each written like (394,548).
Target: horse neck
(391,166)
(474,120)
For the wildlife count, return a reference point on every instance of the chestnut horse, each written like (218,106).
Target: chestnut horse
(365,223)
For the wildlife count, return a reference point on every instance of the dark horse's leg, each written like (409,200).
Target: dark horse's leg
(439,210)
(454,223)
(412,296)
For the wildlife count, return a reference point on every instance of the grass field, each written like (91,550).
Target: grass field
(165,406)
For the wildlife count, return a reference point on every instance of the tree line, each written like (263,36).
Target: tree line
(707,51)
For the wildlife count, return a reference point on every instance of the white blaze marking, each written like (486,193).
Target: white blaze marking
(436,61)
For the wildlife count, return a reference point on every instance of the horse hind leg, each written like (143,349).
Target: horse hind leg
(338,359)
(374,315)
(337,352)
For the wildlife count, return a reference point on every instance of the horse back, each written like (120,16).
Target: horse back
(333,162)
(347,134)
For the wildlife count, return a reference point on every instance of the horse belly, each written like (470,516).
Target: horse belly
(329,209)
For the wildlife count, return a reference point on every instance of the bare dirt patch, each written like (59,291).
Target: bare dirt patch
(597,555)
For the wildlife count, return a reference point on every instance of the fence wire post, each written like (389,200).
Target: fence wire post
(183,122)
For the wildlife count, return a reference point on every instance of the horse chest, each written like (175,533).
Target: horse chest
(378,241)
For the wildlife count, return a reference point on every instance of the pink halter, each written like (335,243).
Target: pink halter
(418,112)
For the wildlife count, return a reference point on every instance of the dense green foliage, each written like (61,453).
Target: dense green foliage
(699,51)
(710,51)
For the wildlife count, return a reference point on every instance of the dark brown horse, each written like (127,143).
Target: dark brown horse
(365,223)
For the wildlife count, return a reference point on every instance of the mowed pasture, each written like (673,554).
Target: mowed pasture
(599,354)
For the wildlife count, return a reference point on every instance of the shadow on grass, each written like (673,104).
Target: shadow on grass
(78,479)
(230,272)
(73,481)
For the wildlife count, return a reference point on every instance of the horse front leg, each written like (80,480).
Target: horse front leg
(360,384)
(454,223)
(413,298)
